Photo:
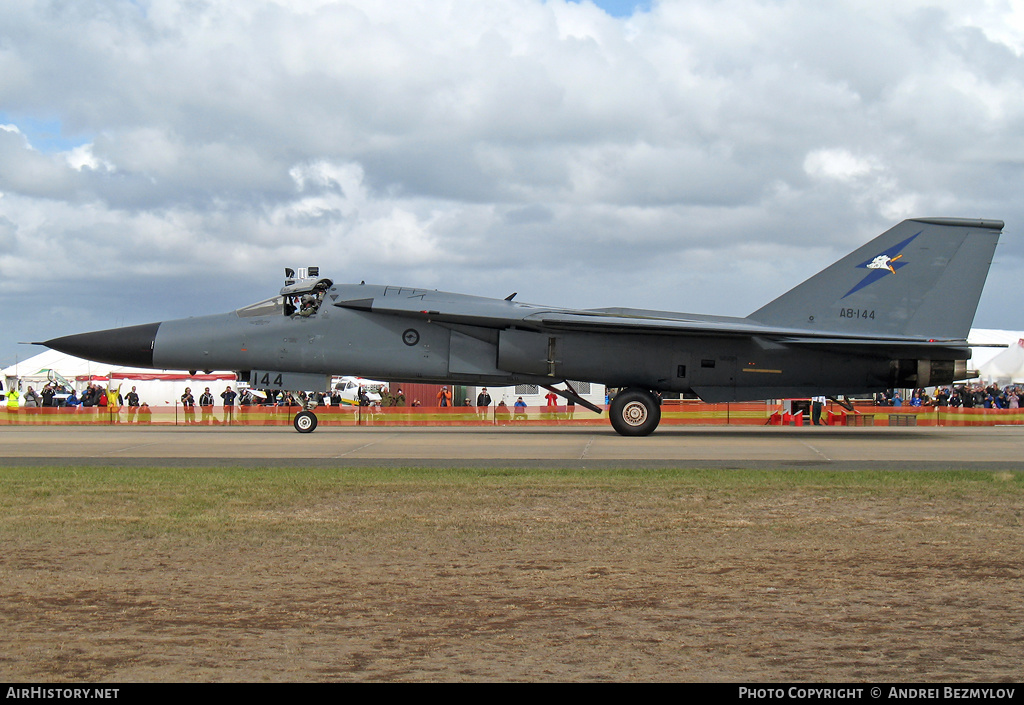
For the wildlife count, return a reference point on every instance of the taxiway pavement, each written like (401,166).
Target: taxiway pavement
(987,448)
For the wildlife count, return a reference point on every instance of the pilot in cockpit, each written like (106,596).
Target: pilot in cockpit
(303,299)
(309,305)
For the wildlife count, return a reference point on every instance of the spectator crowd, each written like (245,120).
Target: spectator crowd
(976,396)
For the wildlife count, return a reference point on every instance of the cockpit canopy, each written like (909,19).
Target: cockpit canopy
(301,298)
(306,286)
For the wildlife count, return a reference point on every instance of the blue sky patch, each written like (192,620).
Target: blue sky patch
(622,8)
(46,136)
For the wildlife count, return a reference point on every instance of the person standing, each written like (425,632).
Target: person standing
(32,399)
(132,398)
(229,404)
(189,402)
(444,397)
(206,405)
(817,404)
(519,413)
(483,403)
(111,400)
(551,407)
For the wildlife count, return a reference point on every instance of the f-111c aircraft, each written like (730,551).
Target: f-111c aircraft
(894,313)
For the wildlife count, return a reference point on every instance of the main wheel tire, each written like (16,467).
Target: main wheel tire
(305,422)
(635,412)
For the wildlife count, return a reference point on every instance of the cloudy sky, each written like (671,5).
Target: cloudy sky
(166,158)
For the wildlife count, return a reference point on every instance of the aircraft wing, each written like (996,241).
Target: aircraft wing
(436,306)
(442,307)
(720,327)
(601,322)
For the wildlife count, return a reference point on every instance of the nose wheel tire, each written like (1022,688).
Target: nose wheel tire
(635,412)
(305,422)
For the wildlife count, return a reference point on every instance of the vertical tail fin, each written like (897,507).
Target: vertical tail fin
(922,278)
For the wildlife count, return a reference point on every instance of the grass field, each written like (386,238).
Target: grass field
(124,574)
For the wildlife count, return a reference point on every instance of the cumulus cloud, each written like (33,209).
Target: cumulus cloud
(686,155)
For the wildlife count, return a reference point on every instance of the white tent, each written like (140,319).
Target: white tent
(154,387)
(36,367)
(996,355)
(1007,367)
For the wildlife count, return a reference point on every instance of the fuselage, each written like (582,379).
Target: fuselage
(413,334)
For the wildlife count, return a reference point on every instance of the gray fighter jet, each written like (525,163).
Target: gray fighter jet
(894,313)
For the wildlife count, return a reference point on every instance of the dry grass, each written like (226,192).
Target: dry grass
(225,574)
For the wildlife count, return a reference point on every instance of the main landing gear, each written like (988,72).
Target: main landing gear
(635,412)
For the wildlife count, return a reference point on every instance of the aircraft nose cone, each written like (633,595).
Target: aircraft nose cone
(131,346)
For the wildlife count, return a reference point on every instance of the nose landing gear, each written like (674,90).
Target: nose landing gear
(305,422)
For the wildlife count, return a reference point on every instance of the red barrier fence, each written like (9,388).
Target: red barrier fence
(673,413)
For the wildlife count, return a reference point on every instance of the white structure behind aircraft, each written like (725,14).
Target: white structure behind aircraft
(349,388)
